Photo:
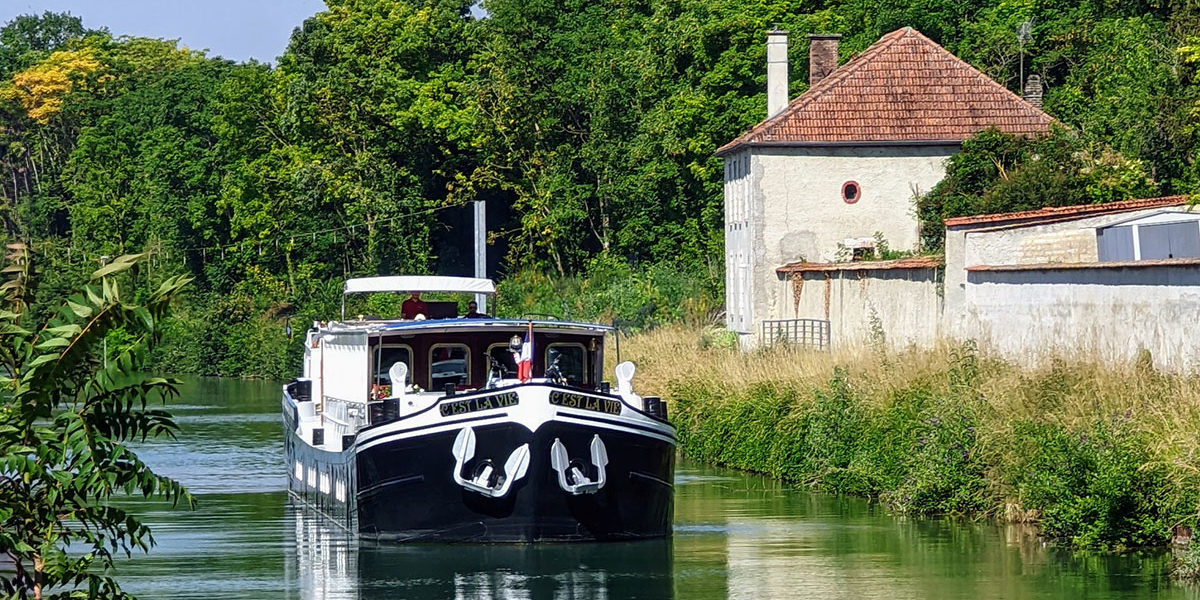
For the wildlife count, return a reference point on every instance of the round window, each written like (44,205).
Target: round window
(851,192)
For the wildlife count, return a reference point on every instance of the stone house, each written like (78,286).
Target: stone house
(844,161)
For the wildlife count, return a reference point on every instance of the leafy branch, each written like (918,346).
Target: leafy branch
(69,412)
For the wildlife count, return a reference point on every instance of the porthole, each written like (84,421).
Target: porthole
(851,192)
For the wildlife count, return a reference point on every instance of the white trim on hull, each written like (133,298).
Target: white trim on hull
(532,411)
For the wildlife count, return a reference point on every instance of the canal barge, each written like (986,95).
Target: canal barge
(453,429)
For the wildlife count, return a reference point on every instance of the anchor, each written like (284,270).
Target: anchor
(486,480)
(570,476)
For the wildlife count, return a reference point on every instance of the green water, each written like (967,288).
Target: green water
(736,536)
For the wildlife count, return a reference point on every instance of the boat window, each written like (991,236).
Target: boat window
(388,355)
(449,363)
(503,355)
(572,362)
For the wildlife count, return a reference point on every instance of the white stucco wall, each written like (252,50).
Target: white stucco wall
(1067,241)
(1105,313)
(906,303)
(798,212)
(1101,312)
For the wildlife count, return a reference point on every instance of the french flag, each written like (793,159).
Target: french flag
(525,360)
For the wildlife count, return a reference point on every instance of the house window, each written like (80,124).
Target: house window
(851,192)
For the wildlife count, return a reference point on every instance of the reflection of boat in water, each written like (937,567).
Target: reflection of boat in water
(639,569)
(330,564)
(493,451)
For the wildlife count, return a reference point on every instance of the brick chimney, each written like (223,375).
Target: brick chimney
(777,72)
(822,56)
(1033,91)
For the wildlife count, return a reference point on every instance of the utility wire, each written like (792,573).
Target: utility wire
(73,254)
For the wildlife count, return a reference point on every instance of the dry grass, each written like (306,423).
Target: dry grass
(1067,392)
(676,353)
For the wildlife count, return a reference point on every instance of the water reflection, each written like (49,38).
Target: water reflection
(736,536)
(328,564)
(754,538)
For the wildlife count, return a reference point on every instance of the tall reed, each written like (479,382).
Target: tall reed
(1102,455)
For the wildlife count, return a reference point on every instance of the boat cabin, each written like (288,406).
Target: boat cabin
(357,360)
(467,357)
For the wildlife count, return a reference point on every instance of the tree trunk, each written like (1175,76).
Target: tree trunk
(33,167)
(38,566)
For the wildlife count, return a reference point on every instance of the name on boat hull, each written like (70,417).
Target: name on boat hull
(470,405)
(604,405)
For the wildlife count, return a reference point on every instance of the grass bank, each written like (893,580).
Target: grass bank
(1102,456)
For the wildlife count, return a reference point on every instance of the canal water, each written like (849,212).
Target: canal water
(736,536)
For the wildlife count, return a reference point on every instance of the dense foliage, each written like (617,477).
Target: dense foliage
(588,127)
(1003,173)
(74,396)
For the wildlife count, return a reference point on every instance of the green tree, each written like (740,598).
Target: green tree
(29,38)
(997,172)
(68,414)
(378,129)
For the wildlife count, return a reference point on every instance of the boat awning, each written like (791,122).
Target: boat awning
(420,283)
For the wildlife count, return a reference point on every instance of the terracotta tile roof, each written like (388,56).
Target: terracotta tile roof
(917,262)
(904,88)
(1054,213)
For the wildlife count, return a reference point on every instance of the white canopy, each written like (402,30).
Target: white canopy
(420,283)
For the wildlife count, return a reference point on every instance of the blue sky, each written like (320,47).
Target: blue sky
(235,29)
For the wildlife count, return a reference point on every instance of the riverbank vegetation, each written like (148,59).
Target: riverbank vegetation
(589,128)
(74,397)
(1187,564)
(1101,456)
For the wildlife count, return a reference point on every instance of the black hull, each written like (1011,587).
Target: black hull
(403,488)
(407,492)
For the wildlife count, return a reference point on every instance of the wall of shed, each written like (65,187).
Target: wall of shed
(904,302)
(1101,313)
(796,211)
(1070,241)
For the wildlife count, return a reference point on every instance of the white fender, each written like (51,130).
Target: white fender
(398,374)
(624,373)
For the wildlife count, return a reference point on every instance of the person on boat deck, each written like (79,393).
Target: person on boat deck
(413,307)
(473,311)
